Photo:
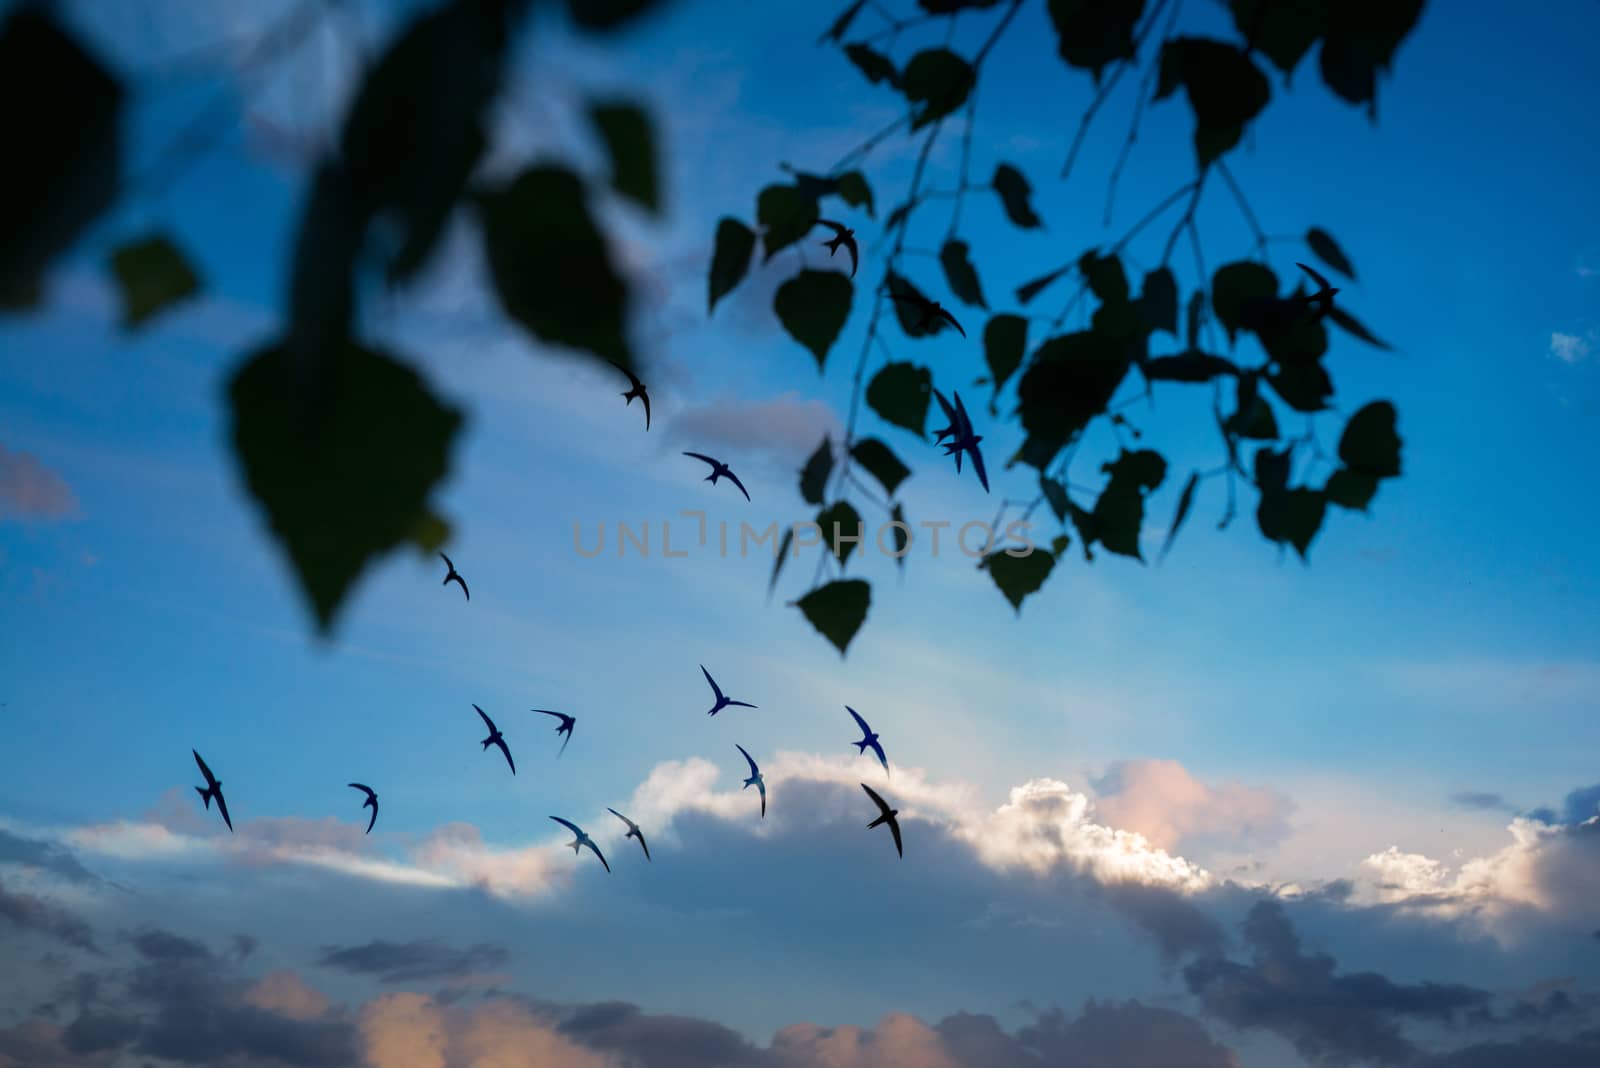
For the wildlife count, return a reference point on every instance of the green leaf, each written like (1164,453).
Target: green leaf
(1093,35)
(1326,249)
(1106,278)
(631,146)
(1158,302)
(1070,380)
(1350,325)
(1029,290)
(1283,30)
(61,124)
(814,475)
(1370,444)
(606,15)
(341,449)
(837,610)
(841,25)
(153,275)
(1055,495)
(959,272)
(1005,339)
(1350,490)
(551,268)
(1016,195)
(1225,89)
(1185,501)
(813,306)
(854,191)
(778,561)
(1292,516)
(849,524)
(785,215)
(899,393)
(1188,367)
(1305,387)
(1236,288)
(939,80)
(881,462)
(874,65)
(1017,577)
(735,243)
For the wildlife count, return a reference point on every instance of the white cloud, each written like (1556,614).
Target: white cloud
(1572,348)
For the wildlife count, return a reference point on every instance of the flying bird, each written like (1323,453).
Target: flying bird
(723,700)
(842,235)
(962,437)
(454,574)
(212,789)
(582,840)
(564,727)
(888,817)
(870,739)
(496,738)
(371,802)
(1323,297)
(638,390)
(633,831)
(720,470)
(950,414)
(932,312)
(755,779)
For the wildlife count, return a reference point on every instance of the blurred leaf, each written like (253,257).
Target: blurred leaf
(908,314)
(1350,490)
(1225,89)
(849,523)
(841,25)
(605,15)
(1106,278)
(945,7)
(1016,195)
(1185,501)
(874,65)
(1348,71)
(153,274)
(1272,469)
(429,535)
(785,215)
(1292,516)
(881,462)
(902,538)
(1118,516)
(1069,381)
(1017,577)
(1005,339)
(813,306)
(778,561)
(1236,287)
(854,191)
(1305,387)
(939,80)
(1059,543)
(60,122)
(1252,416)
(899,393)
(1284,30)
(1370,444)
(1093,35)
(631,146)
(735,243)
(551,268)
(1326,249)
(837,610)
(1145,469)
(1158,302)
(814,475)
(1188,367)
(959,272)
(341,456)
(1029,290)
(1055,495)
(1350,325)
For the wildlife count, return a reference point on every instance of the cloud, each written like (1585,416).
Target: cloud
(783,430)
(30,490)
(1162,801)
(1478,800)
(1572,348)
(36,914)
(404,962)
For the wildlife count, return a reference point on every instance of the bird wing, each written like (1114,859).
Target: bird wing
(977,465)
(563,718)
(859,721)
(951,319)
(965,426)
(642,844)
(487,721)
(921,302)
(631,376)
(447,563)
(837,228)
(877,748)
(463,584)
(211,780)
(735,480)
(762,786)
(714,687)
(855,255)
(501,742)
(741,704)
(949,413)
(894,829)
(1315,275)
(703,456)
(222,806)
(364,789)
(374,819)
(753,769)
(567,738)
(646,398)
(569,825)
(596,850)
(631,825)
(883,805)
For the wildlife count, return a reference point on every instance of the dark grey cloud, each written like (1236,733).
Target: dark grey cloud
(48,856)
(36,914)
(158,945)
(1109,1035)
(401,962)
(1177,925)
(94,1032)
(649,1041)
(1480,801)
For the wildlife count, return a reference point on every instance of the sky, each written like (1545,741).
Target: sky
(1228,809)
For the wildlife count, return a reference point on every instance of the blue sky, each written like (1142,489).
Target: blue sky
(1266,721)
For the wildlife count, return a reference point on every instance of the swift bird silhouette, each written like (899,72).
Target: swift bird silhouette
(755,779)
(962,438)
(633,831)
(454,574)
(496,738)
(869,739)
(720,470)
(371,802)
(888,817)
(842,235)
(564,727)
(723,700)
(213,789)
(638,390)
(932,312)
(1323,297)
(582,840)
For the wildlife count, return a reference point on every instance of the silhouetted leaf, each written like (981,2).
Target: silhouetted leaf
(1350,325)
(848,521)
(1005,339)
(1055,495)
(785,215)
(813,307)
(1272,469)
(1070,379)
(814,475)
(1370,445)
(945,7)
(1028,290)
(153,274)
(1287,330)
(1292,516)
(1252,417)
(1350,490)
(959,272)
(1305,387)
(1093,35)
(1142,468)
(1107,280)
(881,462)
(1158,302)
(874,65)
(1016,195)
(939,80)
(1188,367)
(1225,88)
(1185,501)
(734,245)
(607,14)
(1348,71)
(837,610)
(907,313)
(841,25)
(1283,30)
(631,145)
(1326,249)
(60,123)
(1236,287)
(1118,515)
(341,457)
(1018,576)
(854,191)
(551,268)
(778,561)
(899,393)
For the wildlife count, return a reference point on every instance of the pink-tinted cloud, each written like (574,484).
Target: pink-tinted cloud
(31,491)
(1170,807)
